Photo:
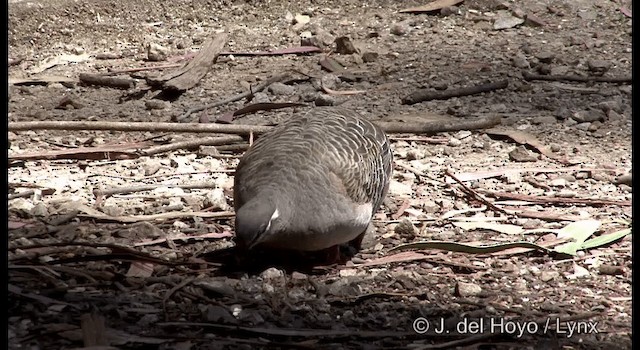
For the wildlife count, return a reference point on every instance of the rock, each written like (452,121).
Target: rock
(450,10)
(405,228)
(329,81)
(462,134)
(454,142)
(534,21)
(559,70)
(583,126)
(156,104)
(216,200)
(598,67)
(147,230)
(39,210)
(522,154)
(260,97)
(546,276)
(588,116)
(156,52)
(208,151)
(506,21)
(151,166)
(369,57)
(113,210)
(611,105)
(595,126)
(547,120)
(216,286)
(219,314)
(520,61)
(465,289)
(566,194)
(545,56)
(559,182)
(278,88)
(587,14)
(272,273)
(308,39)
(301,19)
(344,46)
(399,29)
(325,100)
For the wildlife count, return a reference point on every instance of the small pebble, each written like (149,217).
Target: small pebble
(399,29)
(465,289)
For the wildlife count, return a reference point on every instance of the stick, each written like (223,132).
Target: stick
(101,80)
(437,126)
(428,94)
(234,98)
(191,144)
(139,188)
(132,126)
(389,127)
(475,194)
(556,200)
(618,80)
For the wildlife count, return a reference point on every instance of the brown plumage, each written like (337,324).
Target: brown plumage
(312,183)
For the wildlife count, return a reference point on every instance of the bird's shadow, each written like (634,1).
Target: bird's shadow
(234,261)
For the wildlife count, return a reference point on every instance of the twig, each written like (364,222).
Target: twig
(177,287)
(439,126)
(556,200)
(132,126)
(618,80)
(428,94)
(234,98)
(475,194)
(101,80)
(191,144)
(389,127)
(148,177)
(139,188)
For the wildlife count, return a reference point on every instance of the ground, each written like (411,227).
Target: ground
(89,269)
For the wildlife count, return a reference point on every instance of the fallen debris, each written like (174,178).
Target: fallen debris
(101,80)
(428,94)
(185,78)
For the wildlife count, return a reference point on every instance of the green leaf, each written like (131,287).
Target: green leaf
(579,231)
(605,239)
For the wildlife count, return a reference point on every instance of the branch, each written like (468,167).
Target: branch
(191,144)
(133,126)
(438,126)
(428,94)
(239,129)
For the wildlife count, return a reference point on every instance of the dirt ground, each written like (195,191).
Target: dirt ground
(96,271)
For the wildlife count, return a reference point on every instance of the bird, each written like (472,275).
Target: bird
(312,183)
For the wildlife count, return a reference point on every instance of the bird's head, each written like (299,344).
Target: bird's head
(255,221)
